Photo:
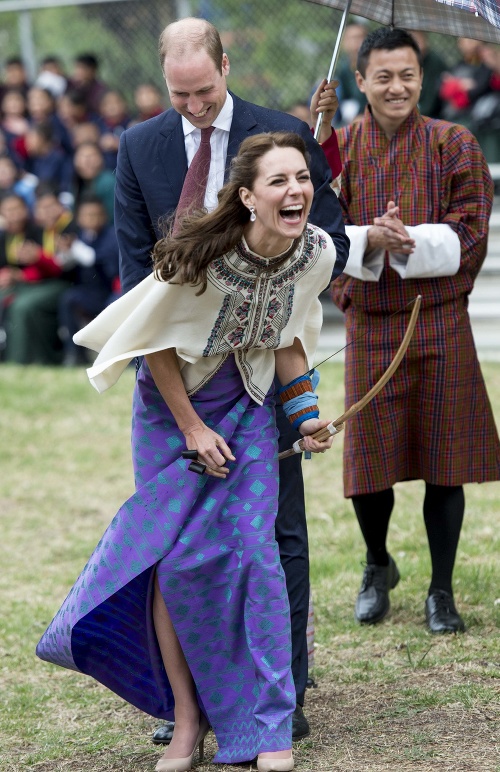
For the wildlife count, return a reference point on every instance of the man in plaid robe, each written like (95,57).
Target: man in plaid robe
(416,197)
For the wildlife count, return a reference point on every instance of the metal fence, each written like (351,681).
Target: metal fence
(278,49)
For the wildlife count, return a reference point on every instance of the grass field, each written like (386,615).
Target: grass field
(389,697)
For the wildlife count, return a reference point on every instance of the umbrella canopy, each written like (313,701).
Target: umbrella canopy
(448,17)
(488,9)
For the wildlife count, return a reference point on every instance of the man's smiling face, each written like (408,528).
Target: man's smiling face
(197,89)
(392,85)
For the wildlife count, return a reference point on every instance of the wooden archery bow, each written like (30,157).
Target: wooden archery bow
(336,426)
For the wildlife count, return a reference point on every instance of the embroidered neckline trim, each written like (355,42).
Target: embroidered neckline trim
(266,263)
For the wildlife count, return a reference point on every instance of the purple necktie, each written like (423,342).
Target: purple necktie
(193,191)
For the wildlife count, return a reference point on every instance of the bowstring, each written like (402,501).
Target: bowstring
(359,337)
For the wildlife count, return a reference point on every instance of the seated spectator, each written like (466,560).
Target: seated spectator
(14,180)
(30,286)
(485,113)
(4,150)
(148,101)
(85,132)
(84,79)
(52,63)
(92,254)
(41,104)
(40,154)
(81,134)
(434,67)
(51,76)
(462,86)
(13,116)
(113,120)
(42,108)
(53,217)
(490,56)
(14,76)
(73,110)
(301,111)
(91,176)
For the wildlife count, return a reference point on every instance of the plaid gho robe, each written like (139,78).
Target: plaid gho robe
(433,421)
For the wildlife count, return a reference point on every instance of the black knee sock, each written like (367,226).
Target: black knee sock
(443,515)
(373,511)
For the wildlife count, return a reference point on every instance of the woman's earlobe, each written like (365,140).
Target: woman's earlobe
(245,196)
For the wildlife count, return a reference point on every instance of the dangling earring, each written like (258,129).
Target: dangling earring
(253,216)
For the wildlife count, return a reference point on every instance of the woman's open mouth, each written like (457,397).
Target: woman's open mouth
(292,214)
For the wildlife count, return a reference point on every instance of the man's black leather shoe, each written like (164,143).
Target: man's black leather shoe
(163,734)
(300,724)
(441,614)
(372,603)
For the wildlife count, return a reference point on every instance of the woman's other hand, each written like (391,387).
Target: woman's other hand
(212,449)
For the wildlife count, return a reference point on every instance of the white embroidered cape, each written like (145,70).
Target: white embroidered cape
(249,308)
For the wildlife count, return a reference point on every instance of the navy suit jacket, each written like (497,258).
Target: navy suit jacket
(152,166)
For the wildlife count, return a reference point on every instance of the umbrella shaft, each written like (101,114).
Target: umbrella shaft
(333,62)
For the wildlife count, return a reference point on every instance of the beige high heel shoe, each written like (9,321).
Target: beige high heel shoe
(185,764)
(275,765)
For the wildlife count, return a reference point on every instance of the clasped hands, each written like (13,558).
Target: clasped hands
(214,452)
(389,233)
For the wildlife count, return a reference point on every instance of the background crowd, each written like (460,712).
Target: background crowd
(59,139)
(467,92)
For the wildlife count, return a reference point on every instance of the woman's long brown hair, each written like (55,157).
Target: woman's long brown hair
(202,236)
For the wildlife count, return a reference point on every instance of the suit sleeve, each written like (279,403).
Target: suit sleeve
(107,255)
(134,231)
(325,211)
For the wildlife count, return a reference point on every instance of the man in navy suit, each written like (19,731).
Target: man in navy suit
(152,163)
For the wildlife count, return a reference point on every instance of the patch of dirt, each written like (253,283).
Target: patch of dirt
(361,729)
(354,728)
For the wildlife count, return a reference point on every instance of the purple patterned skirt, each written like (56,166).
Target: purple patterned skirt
(212,545)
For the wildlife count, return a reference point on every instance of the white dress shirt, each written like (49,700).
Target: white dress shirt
(218,143)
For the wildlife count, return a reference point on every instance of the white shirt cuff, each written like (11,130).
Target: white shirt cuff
(367,267)
(437,253)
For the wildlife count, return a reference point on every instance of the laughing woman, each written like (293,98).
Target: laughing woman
(182,609)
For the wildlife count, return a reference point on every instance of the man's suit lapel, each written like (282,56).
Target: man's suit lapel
(242,126)
(172,151)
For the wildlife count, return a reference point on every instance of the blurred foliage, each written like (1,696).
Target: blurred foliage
(278,51)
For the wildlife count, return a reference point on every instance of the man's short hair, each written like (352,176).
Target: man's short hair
(77,97)
(51,59)
(91,199)
(46,189)
(385,39)
(44,130)
(207,37)
(88,60)
(14,61)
